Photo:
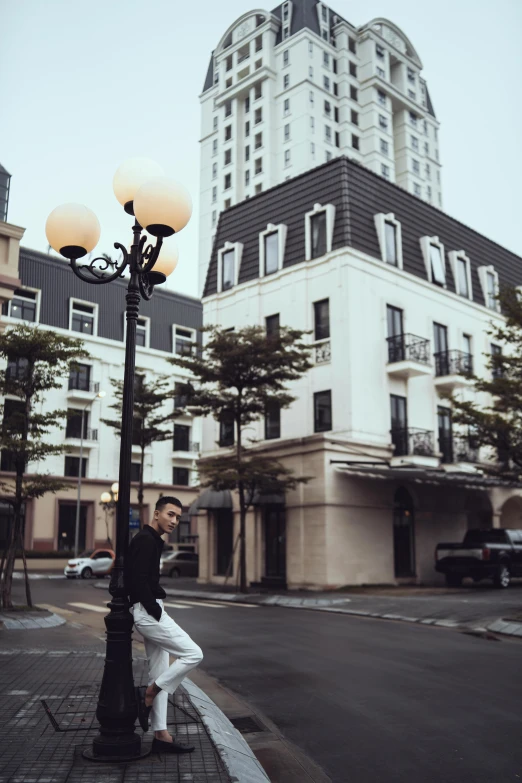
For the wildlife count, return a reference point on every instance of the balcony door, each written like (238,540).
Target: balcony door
(440,344)
(399,424)
(275,542)
(403,534)
(445,434)
(395,325)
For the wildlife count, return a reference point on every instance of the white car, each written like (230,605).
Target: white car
(93,562)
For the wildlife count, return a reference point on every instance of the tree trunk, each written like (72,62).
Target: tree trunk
(28,596)
(140,488)
(4,553)
(242,510)
(7,576)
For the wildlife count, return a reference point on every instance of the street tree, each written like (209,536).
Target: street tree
(151,418)
(495,421)
(238,376)
(37,362)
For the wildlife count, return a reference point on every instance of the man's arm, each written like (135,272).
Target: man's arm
(139,576)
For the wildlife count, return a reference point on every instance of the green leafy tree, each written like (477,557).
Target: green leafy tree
(496,420)
(150,417)
(237,376)
(37,362)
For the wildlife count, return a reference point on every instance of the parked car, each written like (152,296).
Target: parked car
(484,554)
(93,562)
(178,564)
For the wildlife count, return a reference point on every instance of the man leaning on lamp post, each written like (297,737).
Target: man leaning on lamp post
(160,633)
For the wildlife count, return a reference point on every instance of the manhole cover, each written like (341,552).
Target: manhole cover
(246,725)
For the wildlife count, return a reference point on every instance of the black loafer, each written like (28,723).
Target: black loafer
(143,710)
(158,746)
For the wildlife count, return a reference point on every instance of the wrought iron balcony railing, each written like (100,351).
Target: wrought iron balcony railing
(403,347)
(412,442)
(88,434)
(184,445)
(453,362)
(323,352)
(81,384)
(457,448)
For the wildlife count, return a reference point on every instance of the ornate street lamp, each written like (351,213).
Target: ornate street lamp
(109,501)
(163,207)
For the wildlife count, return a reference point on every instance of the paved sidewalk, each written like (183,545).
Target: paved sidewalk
(49,695)
(20,621)
(468,609)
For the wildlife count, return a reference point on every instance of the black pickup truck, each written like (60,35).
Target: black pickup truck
(484,554)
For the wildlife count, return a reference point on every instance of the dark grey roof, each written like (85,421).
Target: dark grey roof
(431,110)
(304,15)
(57,283)
(4,170)
(358,194)
(209,78)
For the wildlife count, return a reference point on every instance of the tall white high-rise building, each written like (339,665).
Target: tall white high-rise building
(288,89)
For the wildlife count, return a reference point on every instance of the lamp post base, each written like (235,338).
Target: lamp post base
(91,755)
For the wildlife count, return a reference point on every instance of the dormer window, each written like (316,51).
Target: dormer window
(319,226)
(461,268)
(489,281)
(437,265)
(389,234)
(24,305)
(434,260)
(271,249)
(229,260)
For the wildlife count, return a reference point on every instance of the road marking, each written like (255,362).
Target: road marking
(176,606)
(191,604)
(90,607)
(56,609)
(218,604)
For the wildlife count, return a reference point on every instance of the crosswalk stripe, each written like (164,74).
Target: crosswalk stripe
(55,609)
(237,603)
(200,603)
(217,604)
(176,606)
(90,607)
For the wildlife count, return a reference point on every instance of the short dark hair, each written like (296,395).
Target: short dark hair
(165,500)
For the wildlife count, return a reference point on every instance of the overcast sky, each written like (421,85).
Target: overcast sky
(85,85)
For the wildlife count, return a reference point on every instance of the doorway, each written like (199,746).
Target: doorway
(67,527)
(403,534)
(275,542)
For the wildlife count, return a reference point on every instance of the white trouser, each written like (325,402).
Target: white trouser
(162,638)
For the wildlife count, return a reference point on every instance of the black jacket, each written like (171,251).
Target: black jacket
(142,570)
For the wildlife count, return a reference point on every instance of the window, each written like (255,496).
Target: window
(272,325)
(496,368)
(389,234)
(381,97)
(258,92)
(228,271)
(311,97)
(414,142)
(353,69)
(334,65)
(355,141)
(413,119)
(286,81)
(460,266)
(381,72)
(353,93)
(135,471)
(310,72)
(258,166)
(214,217)
(215,124)
(322,319)
(142,329)
(322,411)
(229,63)
(272,420)
(326,83)
(228,157)
(326,59)
(286,57)
(258,116)
(181,438)
(426,148)
(247,153)
(412,95)
(383,122)
(425,125)
(287,157)
(335,88)
(328,156)
(72,466)
(271,248)
(247,104)
(440,343)
(82,317)
(417,189)
(394,322)
(228,181)
(214,170)
(286,32)
(228,108)
(445,434)
(247,177)
(337,139)
(214,147)
(23,305)
(336,114)
(227,203)
(318,231)
(379,51)
(385,171)
(310,48)
(259,188)
(80,377)
(180,476)
(328,134)
(491,291)
(258,141)
(312,149)
(214,194)
(328,108)
(416,166)
(286,107)
(228,132)
(399,424)
(287,132)
(259,43)
(354,116)
(77,423)
(384,147)
(226,429)
(428,193)
(467,344)
(183,340)
(428,171)
(437,265)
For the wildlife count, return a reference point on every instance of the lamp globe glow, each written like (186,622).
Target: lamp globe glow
(115,487)
(163,206)
(105,497)
(168,258)
(73,230)
(131,175)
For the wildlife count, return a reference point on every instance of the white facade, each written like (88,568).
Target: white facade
(280,100)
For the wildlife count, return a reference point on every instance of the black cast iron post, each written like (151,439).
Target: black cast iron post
(117,709)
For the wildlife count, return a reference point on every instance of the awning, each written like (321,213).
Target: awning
(420,475)
(273,499)
(211,499)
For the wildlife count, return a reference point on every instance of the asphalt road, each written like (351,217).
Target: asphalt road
(368,700)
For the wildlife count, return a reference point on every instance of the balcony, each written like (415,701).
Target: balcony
(73,438)
(322,352)
(453,370)
(408,356)
(82,390)
(458,452)
(183,449)
(413,446)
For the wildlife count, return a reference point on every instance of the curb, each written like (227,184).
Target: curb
(234,751)
(30,623)
(334,605)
